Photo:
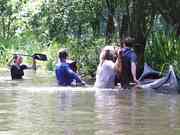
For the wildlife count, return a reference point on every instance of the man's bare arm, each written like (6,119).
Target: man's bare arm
(133,71)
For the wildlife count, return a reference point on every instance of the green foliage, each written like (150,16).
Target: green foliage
(47,25)
(10,18)
(25,43)
(84,52)
(60,19)
(170,12)
(163,50)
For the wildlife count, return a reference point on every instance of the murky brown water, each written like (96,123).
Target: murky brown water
(38,107)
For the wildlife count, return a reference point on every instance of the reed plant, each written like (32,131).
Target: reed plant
(163,50)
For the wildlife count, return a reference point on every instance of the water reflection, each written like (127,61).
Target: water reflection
(32,107)
(137,112)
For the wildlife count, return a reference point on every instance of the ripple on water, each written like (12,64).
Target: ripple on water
(31,107)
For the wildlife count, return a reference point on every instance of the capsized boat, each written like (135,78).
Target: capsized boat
(149,75)
(168,83)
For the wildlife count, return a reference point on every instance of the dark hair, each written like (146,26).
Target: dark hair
(128,41)
(108,55)
(15,56)
(63,54)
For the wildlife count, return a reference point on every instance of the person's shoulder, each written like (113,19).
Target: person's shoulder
(24,66)
(123,49)
(133,56)
(13,66)
(133,52)
(58,65)
(127,50)
(61,65)
(108,63)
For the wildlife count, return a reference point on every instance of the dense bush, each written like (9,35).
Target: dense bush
(84,51)
(25,43)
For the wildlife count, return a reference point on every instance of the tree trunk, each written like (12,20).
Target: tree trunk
(124,27)
(8,27)
(140,49)
(110,29)
(140,21)
(169,11)
(96,27)
(178,31)
(110,22)
(79,33)
(3,27)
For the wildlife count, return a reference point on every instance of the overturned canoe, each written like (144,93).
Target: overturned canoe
(149,75)
(169,83)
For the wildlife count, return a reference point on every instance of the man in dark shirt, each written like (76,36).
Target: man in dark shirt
(17,68)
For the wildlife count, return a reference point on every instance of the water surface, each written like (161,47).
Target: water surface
(37,106)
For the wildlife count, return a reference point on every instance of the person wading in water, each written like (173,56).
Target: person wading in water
(109,66)
(65,73)
(17,68)
(128,63)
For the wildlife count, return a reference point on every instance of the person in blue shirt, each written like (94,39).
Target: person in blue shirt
(64,73)
(129,63)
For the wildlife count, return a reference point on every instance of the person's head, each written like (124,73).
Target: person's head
(107,54)
(18,59)
(63,54)
(128,42)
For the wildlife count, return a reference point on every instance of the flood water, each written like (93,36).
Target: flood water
(37,106)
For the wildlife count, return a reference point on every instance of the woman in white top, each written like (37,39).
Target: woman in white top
(106,71)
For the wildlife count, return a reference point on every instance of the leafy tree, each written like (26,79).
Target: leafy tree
(9,17)
(170,12)
(141,18)
(60,19)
